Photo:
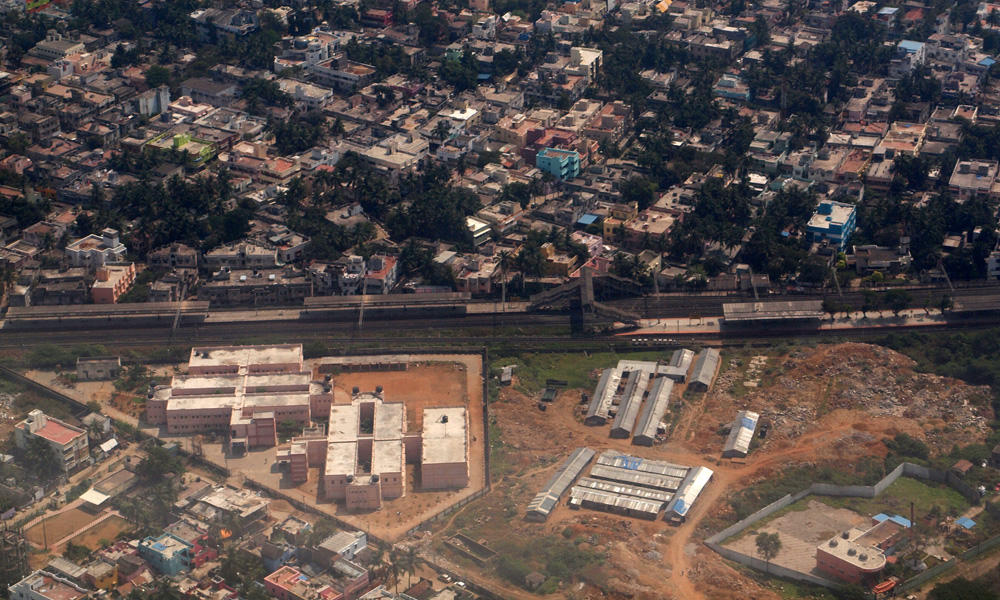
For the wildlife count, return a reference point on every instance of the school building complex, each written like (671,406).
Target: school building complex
(245,390)
(364,452)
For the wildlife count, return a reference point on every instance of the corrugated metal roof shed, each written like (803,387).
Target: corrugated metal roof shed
(612,458)
(626,490)
(688,492)
(628,410)
(653,411)
(741,434)
(650,480)
(705,367)
(543,503)
(680,364)
(627,505)
(604,393)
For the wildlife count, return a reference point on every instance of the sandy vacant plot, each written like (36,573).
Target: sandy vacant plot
(59,526)
(801,531)
(106,530)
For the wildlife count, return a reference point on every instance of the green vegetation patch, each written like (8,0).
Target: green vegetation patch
(897,497)
(575,368)
(558,559)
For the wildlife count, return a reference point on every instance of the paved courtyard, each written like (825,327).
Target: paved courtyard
(801,531)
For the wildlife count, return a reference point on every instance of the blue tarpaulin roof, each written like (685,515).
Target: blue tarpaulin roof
(987,62)
(588,219)
(966,522)
(895,519)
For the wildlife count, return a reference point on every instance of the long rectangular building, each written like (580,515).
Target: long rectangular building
(612,458)
(632,477)
(688,493)
(625,489)
(652,412)
(628,409)
(706,365)
(604,394)
(541,506)
(741,434)
(615,503)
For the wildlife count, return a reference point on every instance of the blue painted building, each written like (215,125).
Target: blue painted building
(167,553)
(834,222)
(563,164)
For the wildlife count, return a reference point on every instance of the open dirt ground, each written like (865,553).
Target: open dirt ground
(57,527)
(827,405)
(106,530)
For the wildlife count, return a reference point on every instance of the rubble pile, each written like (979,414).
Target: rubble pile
(869,378)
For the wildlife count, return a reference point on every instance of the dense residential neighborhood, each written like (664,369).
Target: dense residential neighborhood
(260,153)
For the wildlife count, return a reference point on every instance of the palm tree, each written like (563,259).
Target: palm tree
(394,568)
(409,566)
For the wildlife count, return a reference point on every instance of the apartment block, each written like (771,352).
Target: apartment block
(68,443)
(95,251)
(113,281)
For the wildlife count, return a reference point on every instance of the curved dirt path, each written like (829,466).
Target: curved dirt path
(727,476)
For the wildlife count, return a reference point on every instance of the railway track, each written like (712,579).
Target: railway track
(484,330)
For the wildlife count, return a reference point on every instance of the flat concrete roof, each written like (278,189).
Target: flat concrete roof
(387,456)
(444,439)
(343,425)
(245,355)
(865,558)
(389,420)
(207,383)
(341,458)
(773,310)
(242,502)
(202,402)
(289,399)
(276,379)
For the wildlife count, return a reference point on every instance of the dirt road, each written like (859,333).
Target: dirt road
(834,427)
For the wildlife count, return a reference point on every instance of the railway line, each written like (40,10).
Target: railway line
(481,330)
(433,319)
(705,305)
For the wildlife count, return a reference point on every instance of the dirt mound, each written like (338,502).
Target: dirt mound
(797,391)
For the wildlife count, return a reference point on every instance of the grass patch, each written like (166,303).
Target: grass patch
(897,498)
(560,560)
(534,368)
